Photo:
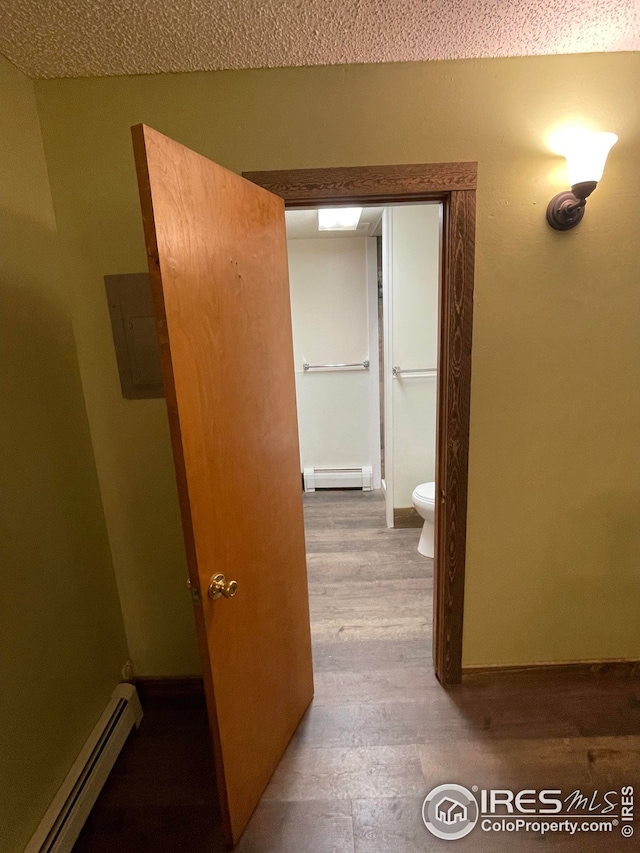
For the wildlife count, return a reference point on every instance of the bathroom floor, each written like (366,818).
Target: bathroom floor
(381,731)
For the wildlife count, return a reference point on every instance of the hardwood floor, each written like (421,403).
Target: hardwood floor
(381,732)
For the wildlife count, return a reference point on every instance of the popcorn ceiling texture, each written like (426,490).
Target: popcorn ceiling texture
(78,38)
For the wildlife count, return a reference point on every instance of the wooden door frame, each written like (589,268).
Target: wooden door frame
(454,185)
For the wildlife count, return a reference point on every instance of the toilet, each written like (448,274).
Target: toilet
(424,500)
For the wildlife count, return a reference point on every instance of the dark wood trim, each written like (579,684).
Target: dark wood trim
(406,516)
(371,184)
(574,669)
(454,185)
(169,687)
(452,433)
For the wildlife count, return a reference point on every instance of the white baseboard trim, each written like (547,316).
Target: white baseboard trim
(65,817)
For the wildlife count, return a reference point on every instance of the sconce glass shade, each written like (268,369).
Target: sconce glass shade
(586,155)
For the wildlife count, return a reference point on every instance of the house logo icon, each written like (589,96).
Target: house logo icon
(450,812)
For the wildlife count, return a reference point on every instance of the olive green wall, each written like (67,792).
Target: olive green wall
(553,551)
(63,641)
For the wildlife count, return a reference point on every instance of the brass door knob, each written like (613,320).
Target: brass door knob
(218,585)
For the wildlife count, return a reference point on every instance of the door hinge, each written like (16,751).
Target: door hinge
(195,592)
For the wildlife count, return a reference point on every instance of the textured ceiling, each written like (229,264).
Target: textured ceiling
(75,38)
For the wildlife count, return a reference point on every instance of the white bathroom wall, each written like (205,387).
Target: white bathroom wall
(413,244)
(375,401)
(329,308)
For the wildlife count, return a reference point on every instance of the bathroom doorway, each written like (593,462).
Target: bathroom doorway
(364,286)
(453,186)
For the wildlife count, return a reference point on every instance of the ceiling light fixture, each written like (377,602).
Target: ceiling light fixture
(586,153)
(339,218)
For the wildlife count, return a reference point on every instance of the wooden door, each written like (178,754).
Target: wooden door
(216,246)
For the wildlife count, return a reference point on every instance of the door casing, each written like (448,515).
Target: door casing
(454,185)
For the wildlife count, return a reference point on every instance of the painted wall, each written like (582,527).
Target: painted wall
(63,641)
(553,568)
(414,264)
(328,281)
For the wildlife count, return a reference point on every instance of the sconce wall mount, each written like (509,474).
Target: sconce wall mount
(566,209)
(586,155)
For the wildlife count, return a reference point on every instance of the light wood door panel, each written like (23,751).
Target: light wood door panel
(216,245)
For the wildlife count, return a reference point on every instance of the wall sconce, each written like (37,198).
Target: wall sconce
(586,154)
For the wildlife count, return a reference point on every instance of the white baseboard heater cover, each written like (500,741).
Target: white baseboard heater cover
(338,478)
(65,817)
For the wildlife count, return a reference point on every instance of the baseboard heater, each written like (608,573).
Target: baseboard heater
(65,817)
(338,478)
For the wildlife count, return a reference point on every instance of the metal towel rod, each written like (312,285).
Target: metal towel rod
(422,371)
(358,365)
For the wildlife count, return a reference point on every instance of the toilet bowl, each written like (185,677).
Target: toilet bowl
(424,500)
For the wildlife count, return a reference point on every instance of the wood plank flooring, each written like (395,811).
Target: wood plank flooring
(381,732)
